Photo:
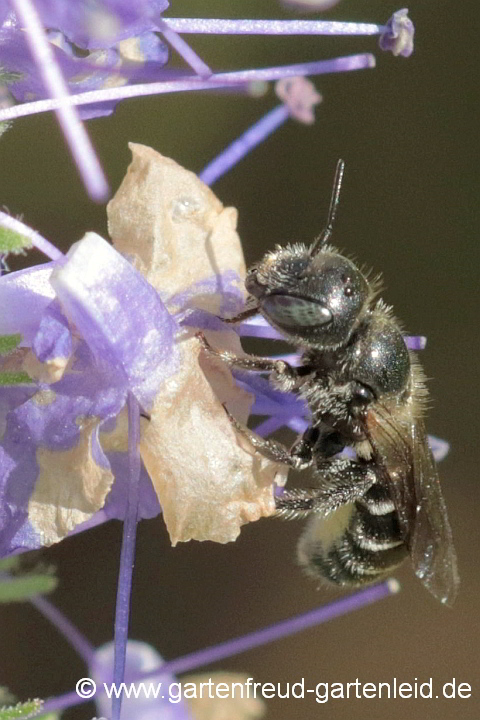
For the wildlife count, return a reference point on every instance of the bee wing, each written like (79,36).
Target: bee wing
(432,550)
(392,444)
(412,475)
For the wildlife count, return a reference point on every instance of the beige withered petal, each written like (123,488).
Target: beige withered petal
(49,372)
(209,480)
(223,708)
(70,487)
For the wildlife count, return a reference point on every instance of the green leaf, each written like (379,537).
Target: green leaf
(7,565)
(25,710)
(8,77)
(13,242)
(6,697)
(4,126)
(17,589)
(14,378)
(8,343)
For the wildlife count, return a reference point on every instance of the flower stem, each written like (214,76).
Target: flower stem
(73,129)
(216,26)
(127,556)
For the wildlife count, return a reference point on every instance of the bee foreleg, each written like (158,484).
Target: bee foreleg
(342,482)
(279,368)
(241,316)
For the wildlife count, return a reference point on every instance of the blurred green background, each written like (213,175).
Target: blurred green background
(407,131)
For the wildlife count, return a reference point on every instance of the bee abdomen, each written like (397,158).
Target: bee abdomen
(353,546)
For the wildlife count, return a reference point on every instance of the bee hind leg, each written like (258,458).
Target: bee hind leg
(342,481)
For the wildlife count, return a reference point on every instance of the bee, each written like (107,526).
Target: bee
(364,390)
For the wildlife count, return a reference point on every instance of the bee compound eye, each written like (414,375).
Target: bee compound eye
(295,311)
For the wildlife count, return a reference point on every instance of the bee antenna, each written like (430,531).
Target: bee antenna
(327,231)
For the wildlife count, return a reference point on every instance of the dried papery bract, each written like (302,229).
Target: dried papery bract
(233,701)
(175,230)
(209,481)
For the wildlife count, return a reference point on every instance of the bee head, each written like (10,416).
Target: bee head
(315,300)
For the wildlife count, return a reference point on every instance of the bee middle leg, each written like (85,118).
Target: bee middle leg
(300,456)
(271,449)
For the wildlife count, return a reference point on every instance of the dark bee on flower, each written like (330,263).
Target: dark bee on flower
(365,390)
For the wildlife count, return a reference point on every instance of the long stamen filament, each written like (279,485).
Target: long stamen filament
(240,147)
(219,80)
(185,51)
(220,26)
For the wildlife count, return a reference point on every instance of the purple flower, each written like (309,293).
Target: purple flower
(54,472)
(97,327)
(102,23)
(123,49)
(162,696)
(140,659)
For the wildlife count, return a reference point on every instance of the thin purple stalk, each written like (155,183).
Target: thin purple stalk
(254,89)
(240,147)
(127,556)
(73,129)
(39,242)
(215,26)
(267,427)
(279,630)
(219,80)
(185,51)
(297,424)
(416,342)
(440,448)
(285,628)
(258,327)
(73,636)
